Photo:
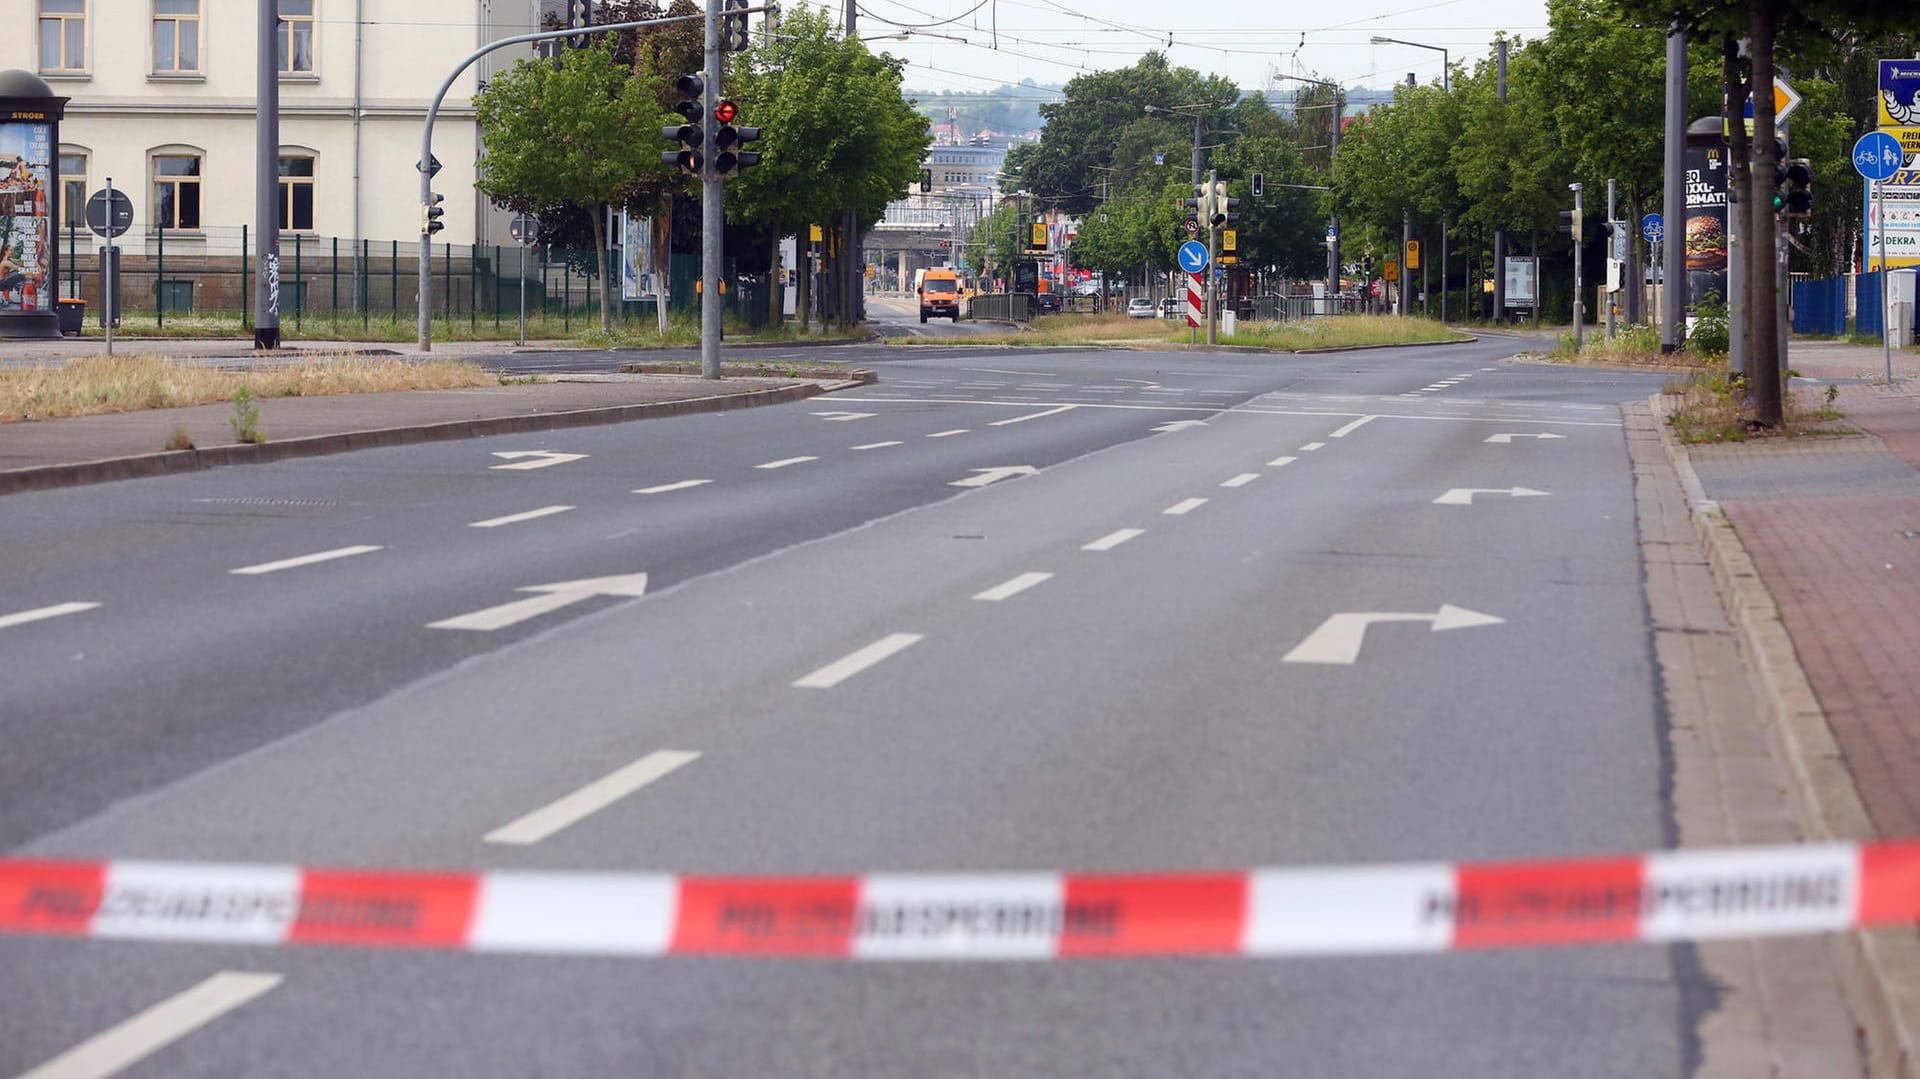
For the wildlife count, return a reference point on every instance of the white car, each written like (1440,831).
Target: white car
(1140,307)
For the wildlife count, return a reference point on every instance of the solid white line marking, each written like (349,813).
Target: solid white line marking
(665,487)
(304,560)
(21,618)
(516,518)
(1241,480)
(1184,506)
(1248,409)
(1352,427)
(949,434)
(853,663)
(1032,416)
(1012,588)
(1113,539)
(1311,446)
(118,1048)
(591,798)
(785,461)
(1281,462)
(878,445)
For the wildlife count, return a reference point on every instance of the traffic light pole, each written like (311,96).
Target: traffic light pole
(1579,311)
(266,197)
(1213,253)
(713,217)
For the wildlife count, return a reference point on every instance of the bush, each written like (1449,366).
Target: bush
(1711,334)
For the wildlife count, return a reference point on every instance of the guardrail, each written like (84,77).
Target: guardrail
(1002,307)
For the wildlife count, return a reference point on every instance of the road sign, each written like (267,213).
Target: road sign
(1333,233)
(109,223)
(1193,226)
(525,229)
(1413,254)
(1229,240)
(1390,270)
(1785,100)
(1193,256)
(1653,228)
(1899,93)
(1877,155)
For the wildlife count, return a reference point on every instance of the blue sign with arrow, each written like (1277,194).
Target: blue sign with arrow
(1877,155)
(1193,256)
(1653,227)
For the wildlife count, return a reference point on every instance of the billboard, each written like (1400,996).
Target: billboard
(1901,196)
(645,254)
(26,212)
(1705,231)
(1900,93)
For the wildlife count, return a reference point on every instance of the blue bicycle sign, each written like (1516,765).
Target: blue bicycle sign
(1877,155)
(1653,228)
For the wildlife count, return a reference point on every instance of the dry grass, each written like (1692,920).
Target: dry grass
(100,384)
(1345,331)
(1710,412)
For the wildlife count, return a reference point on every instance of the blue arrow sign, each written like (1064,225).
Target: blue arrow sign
(1193,256)
(1877,155)
(1653,227)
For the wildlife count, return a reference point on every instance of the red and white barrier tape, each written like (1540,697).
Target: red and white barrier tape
(1419,907)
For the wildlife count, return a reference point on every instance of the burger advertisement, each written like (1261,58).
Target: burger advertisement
(1706,225)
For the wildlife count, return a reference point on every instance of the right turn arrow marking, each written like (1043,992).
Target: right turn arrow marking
(1508,438)
(1463,496)
(1339,638)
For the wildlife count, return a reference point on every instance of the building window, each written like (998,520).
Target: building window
(296,37)
(73,190)
(176,36)
(63,35)
(296,194)
(176,191)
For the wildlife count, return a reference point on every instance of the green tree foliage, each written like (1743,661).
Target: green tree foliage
(586,132)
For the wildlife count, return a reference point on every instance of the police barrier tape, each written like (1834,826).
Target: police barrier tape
(1414,907)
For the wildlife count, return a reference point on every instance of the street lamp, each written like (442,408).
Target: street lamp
(1333,151)
(1446,86)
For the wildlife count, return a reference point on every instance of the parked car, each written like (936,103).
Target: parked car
(1047,303)
(1139,307)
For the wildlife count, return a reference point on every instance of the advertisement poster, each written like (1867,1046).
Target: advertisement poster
(26,209)
(645,255)
(1900,93)
(1521,273)
(1706,228)
(1902,202)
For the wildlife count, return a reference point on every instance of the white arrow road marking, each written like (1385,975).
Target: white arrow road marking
(591,798)
(1012,588)
(1339,638)
(21,618)
(1184,506)
(990,475)
(1352,427)
(1180,425)
(845,417)
(665,487)
(1033,416)
(853,663)
(537,459)
(785,461)
(516,518)
(1113,539)
(116,1049)
(1508,438)
(549,597)
(1241,480)
(303,560)
(878,445)
(1463,496)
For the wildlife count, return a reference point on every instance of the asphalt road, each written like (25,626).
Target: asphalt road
(1198,517)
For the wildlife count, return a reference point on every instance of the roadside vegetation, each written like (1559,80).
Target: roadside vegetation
(100,384)
(1635,346)
(579,329)
(1346,331)
(1713,408)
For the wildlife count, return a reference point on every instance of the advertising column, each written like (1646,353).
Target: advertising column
(29,195)
(1705,230)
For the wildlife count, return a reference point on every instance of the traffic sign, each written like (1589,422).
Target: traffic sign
(525,229)
(1785,100)
(109,222)
(1229,240)
(1877,155)
(1413,254)
(1333,232)
(1193,256)
(1193,226)
(1653,228)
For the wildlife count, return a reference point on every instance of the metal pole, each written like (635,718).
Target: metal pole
(1406,244)
(1196,146)
(523,293)
(1213,249)
(1500,234)
(1579,311)
(1673,205)
(106,301)
(1886,280)
(160,275)
(1610,247)
(266,176)
(713,216)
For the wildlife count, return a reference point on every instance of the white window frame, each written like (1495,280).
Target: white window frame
(199,52)
(198,179)
(43,16)
(75,215)
(312,21)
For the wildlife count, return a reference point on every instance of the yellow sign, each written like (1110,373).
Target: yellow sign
(1229,240)
(1909,138)
(1413,254)
(1037,239)
(813,233)
(1391,271)
(1228,260)
(869,269)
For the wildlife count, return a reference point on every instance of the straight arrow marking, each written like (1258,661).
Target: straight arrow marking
(21,618)
(985,476)
(549,597)
(538,459)
(1180,425)
(1337,641)
(1463,496)
(1507,439)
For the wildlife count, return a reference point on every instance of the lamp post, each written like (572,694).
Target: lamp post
(1333,151)
(1446,86)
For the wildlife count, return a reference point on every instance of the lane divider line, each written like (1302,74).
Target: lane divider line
(21,618)
(785,461)
(1009,589)
(859,660)
(590,799)
(1311,446)
(1281,462)
(665,487)
(304,560)
(1184,507)
(1352,427)
(1381,909)
(1032,416)
(879,445)
(949,434)
(516,518)
(1113,539)
(122,1046)
(1242,479)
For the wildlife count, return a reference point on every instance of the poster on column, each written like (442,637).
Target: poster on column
(645,255)
(1706,226)
(26,178)
(1900,197)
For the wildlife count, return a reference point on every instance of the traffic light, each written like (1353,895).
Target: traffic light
(579,14)
(1572,226)
(431,213)
(1259,185)
(1219,206)
(733,25)
(1799,187)
(688,135)
(926,181)
(1779,175)
(727,157)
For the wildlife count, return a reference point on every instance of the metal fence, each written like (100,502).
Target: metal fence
(1002,307)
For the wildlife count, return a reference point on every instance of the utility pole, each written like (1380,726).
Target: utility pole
(1612,228)
(266,179)
(1406,245)
(1579,310)
(1208,210)
(1500,235)
(713,214)
(1673,204)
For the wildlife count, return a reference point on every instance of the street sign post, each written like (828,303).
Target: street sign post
(109,215)
(525,229)
(1877,156)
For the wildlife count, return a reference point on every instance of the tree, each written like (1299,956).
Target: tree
(586,132)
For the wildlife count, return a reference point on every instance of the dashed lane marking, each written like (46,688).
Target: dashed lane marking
(21,618)
(949,434)
(666,487)
(1241,480)
(854,662)
(1281,462)
(592,798)
(304,560)
(516,518)
(878,445)
(1113,539)
(785,461)
(121,1047)
(1184,506)
(1311,446)
(1014,587)
(1352,427)
(1031,416)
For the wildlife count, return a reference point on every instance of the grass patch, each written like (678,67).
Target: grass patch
(1343,331)
(100,384)
(1713,409)
(582,329)
(1635,346)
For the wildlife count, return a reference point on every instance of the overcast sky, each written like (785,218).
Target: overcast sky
(1051,41)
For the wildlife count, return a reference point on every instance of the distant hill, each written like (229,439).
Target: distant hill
(1008,108)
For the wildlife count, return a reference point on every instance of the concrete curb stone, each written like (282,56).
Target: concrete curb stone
(1881,967)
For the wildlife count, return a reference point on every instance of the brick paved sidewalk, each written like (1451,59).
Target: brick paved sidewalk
(1833,526)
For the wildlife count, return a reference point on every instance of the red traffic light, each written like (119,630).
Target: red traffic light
(725,112)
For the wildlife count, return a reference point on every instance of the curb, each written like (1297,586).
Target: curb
(805,342)
(1880,969)
(1463,339)
(858,376)
(166,463)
